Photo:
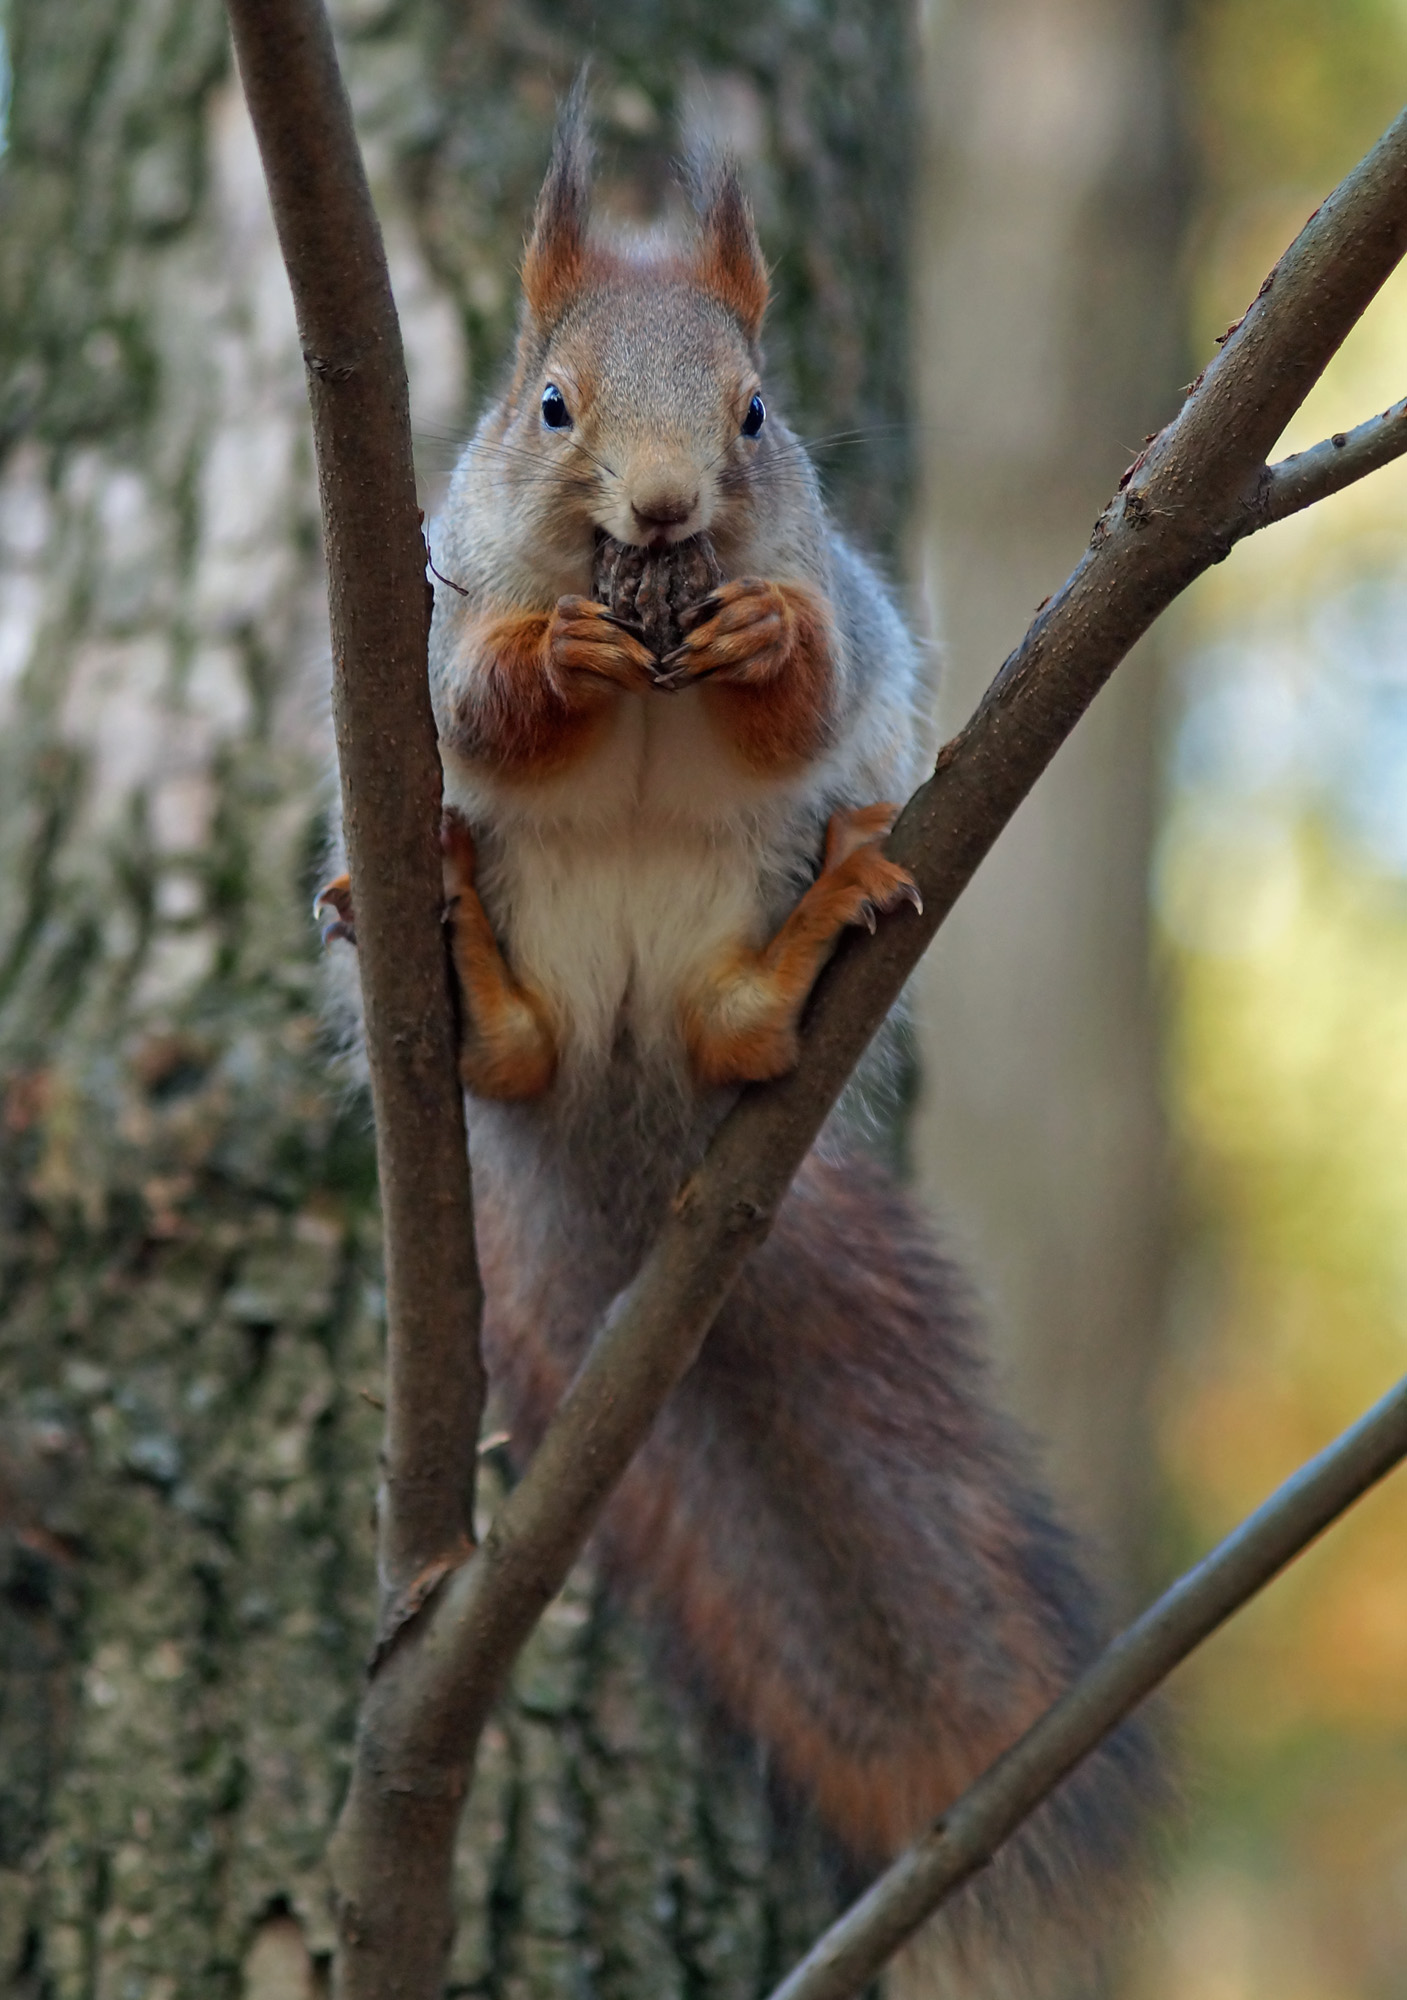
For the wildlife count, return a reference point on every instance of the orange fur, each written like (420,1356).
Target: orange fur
(336,896)
(763,656)
(740,1024)
(551,283)
(554,261)
(883,1673)
(540,685)
(834,1529)
(729,264)
(508,1049)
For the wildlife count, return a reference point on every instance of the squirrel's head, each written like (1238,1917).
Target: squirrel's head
(637,371)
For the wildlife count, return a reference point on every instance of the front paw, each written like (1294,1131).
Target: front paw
(332,910)
(743,631)
(585,638)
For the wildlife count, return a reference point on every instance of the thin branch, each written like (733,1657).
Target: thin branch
(380,607)
(1190,500)
(1307,476)
(969,1833)
(1181,507)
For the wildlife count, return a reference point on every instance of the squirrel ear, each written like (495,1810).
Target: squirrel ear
(554,264)
(728,261)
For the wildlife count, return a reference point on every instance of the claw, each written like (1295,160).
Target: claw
(696,614)
(908,892)
(867,917)
(630,626)
(336,897)
(683,676)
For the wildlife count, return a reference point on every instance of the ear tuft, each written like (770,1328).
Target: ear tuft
(728,260)
(554,263)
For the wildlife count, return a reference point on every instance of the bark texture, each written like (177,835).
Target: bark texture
(190,1314)
(1051,334)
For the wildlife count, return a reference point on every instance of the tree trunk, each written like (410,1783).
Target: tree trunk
(1050,334)
(189,1316)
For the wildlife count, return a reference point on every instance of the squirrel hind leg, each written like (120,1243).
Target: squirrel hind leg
(508,1049)
(740,1021)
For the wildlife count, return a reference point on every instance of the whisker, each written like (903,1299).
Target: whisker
(609,470)
(441,433)
(564,475)
(909,426)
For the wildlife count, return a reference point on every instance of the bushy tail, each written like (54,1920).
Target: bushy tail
(847,1547)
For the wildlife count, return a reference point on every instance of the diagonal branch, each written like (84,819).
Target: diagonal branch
(379,603)
(1181,507)
(852,1951)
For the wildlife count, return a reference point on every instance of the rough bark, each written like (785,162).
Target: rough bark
(1050,330)
(190,1312)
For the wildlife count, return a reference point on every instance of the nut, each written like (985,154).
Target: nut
(654,587)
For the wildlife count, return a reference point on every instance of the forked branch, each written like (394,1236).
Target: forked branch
(1188,500)
(1297,482)
(1201,486)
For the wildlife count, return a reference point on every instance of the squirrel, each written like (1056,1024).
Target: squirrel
(666,688)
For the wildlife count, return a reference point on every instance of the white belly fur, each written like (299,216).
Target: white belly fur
(613,886)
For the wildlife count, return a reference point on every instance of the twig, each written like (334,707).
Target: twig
(379,602)
(842,1962)
(1307,476)
(1181,507)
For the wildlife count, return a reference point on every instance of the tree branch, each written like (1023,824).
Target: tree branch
(1180,508)
(380,606)
(1307,476)
(969,1833)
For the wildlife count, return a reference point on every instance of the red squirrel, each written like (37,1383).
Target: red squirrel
(841,1537)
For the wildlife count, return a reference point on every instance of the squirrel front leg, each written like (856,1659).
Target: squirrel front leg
(762,652)
(533,687)
(507,1048)
(740,1022)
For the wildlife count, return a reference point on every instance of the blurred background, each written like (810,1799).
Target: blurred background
(1159,1091)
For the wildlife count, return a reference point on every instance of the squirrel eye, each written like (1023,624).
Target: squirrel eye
(755,418)
(555,413)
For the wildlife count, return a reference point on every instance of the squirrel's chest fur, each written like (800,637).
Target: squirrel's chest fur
(613,885)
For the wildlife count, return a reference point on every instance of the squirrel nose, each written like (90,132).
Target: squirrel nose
(663,510)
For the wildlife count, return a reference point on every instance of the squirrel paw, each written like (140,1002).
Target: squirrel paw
(862,884)
(743,631)
(508,1049)
(457,850)
(588,638)
(332,910)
